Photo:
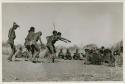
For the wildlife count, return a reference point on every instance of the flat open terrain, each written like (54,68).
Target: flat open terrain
(62,70)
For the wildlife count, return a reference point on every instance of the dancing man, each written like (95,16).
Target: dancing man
(11,38)
(51,40)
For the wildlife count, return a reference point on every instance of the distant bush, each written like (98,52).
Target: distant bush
(90,46)
(5,44)
(6,50)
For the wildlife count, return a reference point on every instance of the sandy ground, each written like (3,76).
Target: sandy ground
(62,70)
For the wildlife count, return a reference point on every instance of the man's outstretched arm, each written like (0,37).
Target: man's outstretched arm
(64,39)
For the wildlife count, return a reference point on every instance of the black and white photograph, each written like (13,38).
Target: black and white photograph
(64,41)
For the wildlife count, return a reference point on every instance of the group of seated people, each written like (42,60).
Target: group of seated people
(96,56)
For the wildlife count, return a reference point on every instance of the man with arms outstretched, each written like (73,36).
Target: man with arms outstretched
(51,40)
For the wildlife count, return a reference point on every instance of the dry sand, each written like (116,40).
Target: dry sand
(62,70)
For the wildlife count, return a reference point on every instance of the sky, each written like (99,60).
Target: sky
(82,23)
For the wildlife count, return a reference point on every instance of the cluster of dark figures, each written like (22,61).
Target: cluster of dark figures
(94,56)
(31,43)
(68,55)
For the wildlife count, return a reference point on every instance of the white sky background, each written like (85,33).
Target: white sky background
(82,23)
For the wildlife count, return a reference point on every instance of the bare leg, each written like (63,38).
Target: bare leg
(49,58)
(13,52)
(53,59)
(26,54)
(54,56)
(34,56)
(36,53)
